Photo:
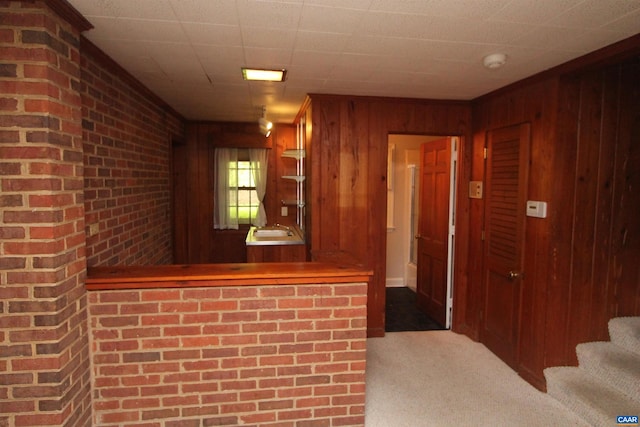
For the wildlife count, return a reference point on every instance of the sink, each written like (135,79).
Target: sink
(274,235)
(271,232)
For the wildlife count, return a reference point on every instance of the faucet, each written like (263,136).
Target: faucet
(286,227)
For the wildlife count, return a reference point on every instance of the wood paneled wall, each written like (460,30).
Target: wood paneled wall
(581,262)
(595,273)
(348,166)
(195,240)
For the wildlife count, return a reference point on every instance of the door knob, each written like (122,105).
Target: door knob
(513,275)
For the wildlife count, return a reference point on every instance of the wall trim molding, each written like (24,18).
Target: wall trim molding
(69,13)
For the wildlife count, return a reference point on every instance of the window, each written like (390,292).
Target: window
(243,197)
(241,176)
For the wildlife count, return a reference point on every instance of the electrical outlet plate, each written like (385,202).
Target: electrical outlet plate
(475,189)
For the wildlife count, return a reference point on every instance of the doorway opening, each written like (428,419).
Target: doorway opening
(409,263)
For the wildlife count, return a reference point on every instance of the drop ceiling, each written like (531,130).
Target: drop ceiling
(190,52)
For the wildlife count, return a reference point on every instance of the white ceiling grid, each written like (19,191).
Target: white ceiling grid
(189,52)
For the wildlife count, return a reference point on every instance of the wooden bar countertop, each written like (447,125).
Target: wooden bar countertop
(203,275)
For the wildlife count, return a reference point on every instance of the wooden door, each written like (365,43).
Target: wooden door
(433,228)
(505,204)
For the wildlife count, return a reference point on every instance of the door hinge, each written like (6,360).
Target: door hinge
(484,153)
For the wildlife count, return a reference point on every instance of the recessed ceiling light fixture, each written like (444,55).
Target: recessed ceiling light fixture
(495,60)
(263,75)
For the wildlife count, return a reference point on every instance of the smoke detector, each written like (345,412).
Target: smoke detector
(495,60)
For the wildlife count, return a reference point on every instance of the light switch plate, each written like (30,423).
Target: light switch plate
(284,211)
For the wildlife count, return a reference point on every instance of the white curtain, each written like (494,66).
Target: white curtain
(221,214)
(259,158)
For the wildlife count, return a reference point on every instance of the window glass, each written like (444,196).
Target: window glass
(240,186)
(243,198)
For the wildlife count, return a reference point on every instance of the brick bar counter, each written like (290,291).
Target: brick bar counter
(273,344)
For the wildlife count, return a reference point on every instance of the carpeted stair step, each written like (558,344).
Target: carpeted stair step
(593,400)
(625,332)
(612,365)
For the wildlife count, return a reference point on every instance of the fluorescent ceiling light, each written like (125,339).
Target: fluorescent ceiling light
(263,75)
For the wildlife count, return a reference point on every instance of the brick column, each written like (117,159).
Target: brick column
(44,352)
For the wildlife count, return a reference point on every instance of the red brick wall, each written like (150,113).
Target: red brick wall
(127,132)
(286,355)
(44,353)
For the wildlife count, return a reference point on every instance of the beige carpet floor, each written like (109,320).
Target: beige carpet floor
(440,378)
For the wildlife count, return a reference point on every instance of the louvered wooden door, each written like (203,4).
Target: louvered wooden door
(505,209)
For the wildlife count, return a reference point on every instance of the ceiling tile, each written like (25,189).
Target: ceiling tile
(321,42)
(588,39)
(221,63)
(311,64)
(382,45)
(137,29)
(478,9)
(343,4)
(412,7)
(627,24)
(213,34)
(254,13)
(355,67)
(547,36)
(256,57)
(527,12)
(502,33)
(268,37)
(462,51)
(396,25)
(329,20)
(191,51)
(595,13)
(222,12)
(149,9)
(179,71)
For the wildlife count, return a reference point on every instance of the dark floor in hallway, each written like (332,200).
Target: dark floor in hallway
(403,315)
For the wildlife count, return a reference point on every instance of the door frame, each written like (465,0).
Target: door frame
(456,140)
(451,233)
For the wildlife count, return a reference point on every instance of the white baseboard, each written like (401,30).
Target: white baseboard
(395,282)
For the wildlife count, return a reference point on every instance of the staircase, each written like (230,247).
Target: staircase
(606,384)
